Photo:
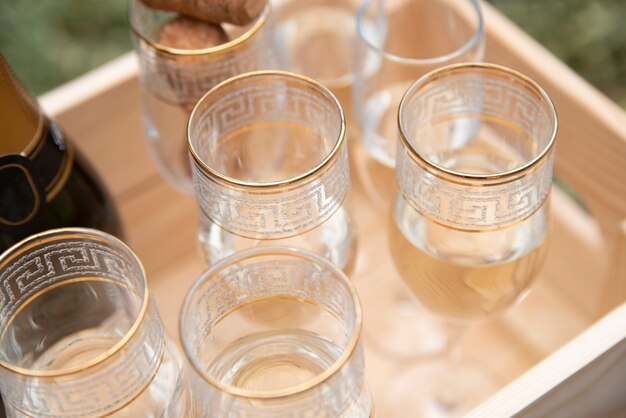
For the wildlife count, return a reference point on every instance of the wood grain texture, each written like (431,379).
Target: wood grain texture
(101,112)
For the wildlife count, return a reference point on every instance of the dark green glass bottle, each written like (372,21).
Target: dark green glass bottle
(44,182)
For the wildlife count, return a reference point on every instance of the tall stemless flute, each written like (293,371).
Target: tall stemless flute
(80,335)
(270,167)
(173,80)
(474,168)
(275,332)
(398,42)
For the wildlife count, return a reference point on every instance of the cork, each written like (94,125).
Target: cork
(188,33)
(237,12)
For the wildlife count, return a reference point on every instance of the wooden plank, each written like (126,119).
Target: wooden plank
(584,378)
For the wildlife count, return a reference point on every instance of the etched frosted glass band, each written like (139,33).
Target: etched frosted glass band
(278,213)
(279,209)
(181,76)
(256,275)
(96,389)
(497,125)
(470,207)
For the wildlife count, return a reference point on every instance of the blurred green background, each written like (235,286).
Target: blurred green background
(51,41)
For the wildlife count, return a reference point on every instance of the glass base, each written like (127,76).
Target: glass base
(397,324)
(434,389)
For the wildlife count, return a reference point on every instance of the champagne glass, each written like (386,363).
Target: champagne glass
(275,332)
(173,80)
(80,335)
(471,220)
(270,167)
(398,42)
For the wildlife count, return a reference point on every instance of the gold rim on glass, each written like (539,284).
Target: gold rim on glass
(256,26)
(296,389)
(475,39)
(321,167)
(77,233)
(469,178)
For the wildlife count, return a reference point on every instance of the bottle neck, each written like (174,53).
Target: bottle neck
(35,160)
(21,120)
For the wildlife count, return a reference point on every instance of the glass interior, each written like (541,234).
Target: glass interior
(420,29)
(477,121)
(268,321)
(265,128)
(74,300)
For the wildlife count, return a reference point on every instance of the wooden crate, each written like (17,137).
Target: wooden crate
(583,278)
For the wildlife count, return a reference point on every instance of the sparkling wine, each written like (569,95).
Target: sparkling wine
(468,275)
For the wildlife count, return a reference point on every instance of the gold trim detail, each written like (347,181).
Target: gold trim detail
(256,26)
(349,351)
(59,181)
(467,178)
(78,233)
(321,167)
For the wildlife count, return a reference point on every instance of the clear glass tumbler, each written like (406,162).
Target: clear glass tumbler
(398,42)
(470,230)
(275,332)
(317,38)
(270,167)
(173,80)
(80,335)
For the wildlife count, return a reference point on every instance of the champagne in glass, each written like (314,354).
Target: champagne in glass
(469,234)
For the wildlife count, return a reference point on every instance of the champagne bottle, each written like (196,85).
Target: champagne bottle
(44,182)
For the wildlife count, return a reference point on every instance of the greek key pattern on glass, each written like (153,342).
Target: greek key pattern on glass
(280,212)
(274,215)
(102,388)
(478,97)
(342,395)
(474,94)
(185,78)
(470,207)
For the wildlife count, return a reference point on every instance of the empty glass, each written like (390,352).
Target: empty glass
(470,229)
(398,42)
(275,332)
(80,335)
(316,38)
(270,167)
(173,80)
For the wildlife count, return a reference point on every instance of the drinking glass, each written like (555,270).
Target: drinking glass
(172,80)
(270,167)
(316,38)
(80,335)
(275,332)
(470,229)
(398,42)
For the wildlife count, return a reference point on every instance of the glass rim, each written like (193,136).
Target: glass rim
(330,158)
(477,36)
(257,24)
(463,178)
(300,388)
(52,235)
